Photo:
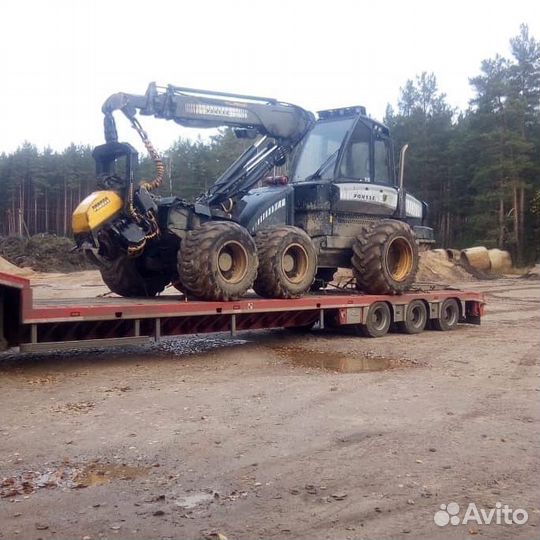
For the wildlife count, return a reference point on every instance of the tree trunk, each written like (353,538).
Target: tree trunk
(46,211)
(517,238)
(522,221)
(64,229)
(36,223)
(501,220)
(9,222)
(20,211)
(58,216)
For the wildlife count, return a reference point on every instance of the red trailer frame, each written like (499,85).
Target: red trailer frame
(48,325)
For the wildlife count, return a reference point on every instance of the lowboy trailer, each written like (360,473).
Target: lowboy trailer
(42,325)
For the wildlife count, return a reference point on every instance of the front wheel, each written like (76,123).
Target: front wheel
(124,278)
(217,261)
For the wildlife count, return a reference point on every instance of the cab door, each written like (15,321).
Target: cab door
(364,174)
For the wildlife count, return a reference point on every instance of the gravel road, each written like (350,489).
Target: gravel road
(276,435)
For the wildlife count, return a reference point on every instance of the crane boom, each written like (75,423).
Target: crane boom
(283,123)
(209,109)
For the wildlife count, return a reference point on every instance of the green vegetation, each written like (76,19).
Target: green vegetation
(478,169)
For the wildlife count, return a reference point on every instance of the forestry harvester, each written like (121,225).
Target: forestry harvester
(339,206)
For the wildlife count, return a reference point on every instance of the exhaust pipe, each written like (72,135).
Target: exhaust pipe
(402,210)
(402,165)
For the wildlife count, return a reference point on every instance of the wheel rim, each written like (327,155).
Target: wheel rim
(295,263)
(417,316)
(449,314)
(232,262)
(379,318)
(399,259)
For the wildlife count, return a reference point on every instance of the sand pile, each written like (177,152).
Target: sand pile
(9,268)
(435,266)
(533,273)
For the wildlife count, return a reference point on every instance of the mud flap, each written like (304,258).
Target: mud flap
(3,340)
(474,311)
(10,316)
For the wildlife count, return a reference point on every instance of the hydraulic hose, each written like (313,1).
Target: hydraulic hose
(149,219)
(156,158)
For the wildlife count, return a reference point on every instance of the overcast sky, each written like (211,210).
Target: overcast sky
(61,59)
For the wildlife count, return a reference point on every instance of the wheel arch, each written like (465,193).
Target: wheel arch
(266,207)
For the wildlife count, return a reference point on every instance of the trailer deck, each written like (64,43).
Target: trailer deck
(52,324)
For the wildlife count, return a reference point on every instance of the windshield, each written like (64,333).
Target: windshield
(319,149)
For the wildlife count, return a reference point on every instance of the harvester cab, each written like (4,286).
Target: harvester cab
(341,207)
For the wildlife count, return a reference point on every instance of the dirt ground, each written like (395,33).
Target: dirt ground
(276,435)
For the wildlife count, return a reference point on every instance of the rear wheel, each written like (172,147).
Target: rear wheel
(448,316)
(385,258)
(217,261)
(287,262)
(415,318)
(126,276)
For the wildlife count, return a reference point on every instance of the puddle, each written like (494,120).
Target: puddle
(191,501)
(340,362)
(98,474)
(67,476)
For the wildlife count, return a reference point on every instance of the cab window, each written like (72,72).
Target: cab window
(355,163)
(318,151)
(382,161)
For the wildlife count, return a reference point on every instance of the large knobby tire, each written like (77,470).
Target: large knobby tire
(287,262)
(217,261)
(123,277)
(385,258)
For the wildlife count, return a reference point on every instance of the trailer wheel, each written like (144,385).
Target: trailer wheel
(123,277)
(385,258)
(378,320)
(448,316)
(415,318)
(287,262)
(217,261)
